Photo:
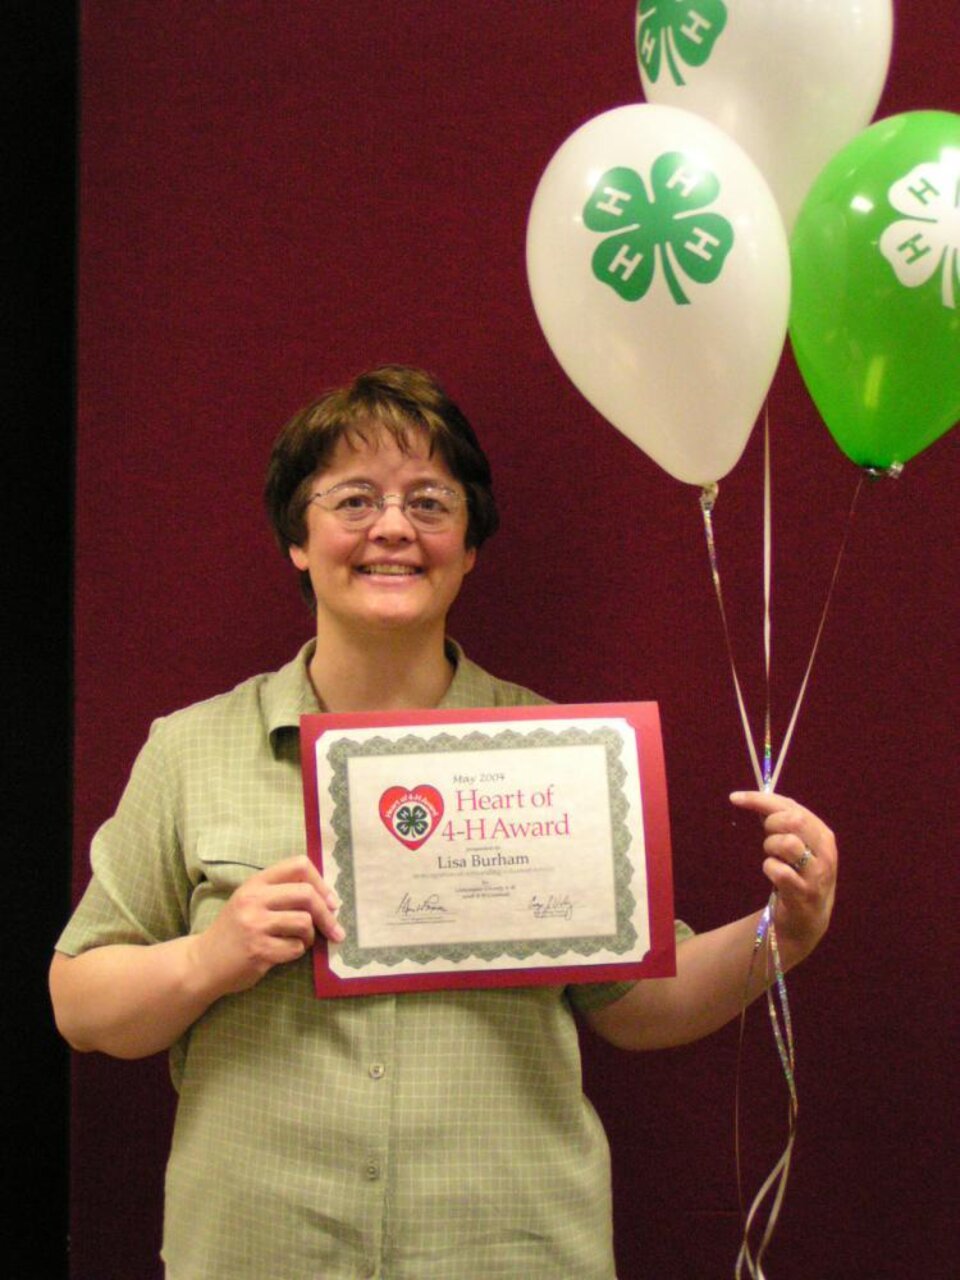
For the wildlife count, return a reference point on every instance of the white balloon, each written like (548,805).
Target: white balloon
(791,80)
(662,288)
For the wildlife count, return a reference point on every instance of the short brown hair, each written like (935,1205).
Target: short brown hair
(397,399)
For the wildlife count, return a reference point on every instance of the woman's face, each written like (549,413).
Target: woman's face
(390,575)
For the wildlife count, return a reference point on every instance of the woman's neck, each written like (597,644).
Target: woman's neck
(384,671)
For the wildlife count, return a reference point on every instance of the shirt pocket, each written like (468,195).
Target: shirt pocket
(224,860)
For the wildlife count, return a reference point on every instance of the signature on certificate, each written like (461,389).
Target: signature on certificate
(556,906)
(428,908)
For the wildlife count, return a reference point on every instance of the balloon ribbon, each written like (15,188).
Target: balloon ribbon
(766,776)
(775,1184)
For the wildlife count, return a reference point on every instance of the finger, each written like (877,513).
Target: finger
(803,831)
(802,864)
(256,897)
(282,950)
(786,820)
(291,924)
(788,882)
(779,874)
(290,896)
(299,869)
(301,925)
(304,901)
(781,814)
(764,802)
(788,848)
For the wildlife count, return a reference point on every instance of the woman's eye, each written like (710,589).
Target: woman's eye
(355,502)
(429,504)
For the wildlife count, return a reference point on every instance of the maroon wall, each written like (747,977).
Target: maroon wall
(276,194)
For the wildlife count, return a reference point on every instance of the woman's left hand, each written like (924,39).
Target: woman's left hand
(800,863)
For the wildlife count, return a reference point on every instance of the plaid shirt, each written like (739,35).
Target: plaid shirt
(429,1136)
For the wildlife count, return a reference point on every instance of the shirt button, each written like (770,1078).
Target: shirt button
(377,1071)
(372,1170)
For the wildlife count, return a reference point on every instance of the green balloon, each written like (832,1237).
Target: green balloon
(875,311)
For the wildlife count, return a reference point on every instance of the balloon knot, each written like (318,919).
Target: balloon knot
(893,472)
(708,495)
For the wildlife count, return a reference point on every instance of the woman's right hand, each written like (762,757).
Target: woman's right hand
(272,918)
(132,1000)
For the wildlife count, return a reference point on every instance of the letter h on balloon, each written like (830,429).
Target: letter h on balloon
(914,248)
(697,23)
(614,202)
(648,42)
(703,245)
(924,190)
(625,262)
(684,178)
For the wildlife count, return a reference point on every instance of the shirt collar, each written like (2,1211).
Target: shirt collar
(287,694)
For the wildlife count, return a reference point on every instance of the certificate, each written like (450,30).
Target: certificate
(490,847)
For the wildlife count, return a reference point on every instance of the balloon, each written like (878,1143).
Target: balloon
(875,319)
(659,271)
(791,80)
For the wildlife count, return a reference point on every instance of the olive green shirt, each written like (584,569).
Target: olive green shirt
(430,1136)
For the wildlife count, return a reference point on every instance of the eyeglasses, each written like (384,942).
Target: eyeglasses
(429,507)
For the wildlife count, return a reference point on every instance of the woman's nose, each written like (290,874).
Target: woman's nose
(391,520)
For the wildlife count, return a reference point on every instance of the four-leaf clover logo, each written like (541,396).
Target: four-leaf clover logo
(412,820)
(671,221)
(681,31)
(928,239)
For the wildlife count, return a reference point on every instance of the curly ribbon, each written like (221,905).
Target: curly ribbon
(766,775)
(775,1184)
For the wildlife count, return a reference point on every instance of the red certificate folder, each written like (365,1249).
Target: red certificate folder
(445,832)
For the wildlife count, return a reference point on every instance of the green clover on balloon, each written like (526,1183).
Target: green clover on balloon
(412,820)
(679,30)
(667,226)
(928,239)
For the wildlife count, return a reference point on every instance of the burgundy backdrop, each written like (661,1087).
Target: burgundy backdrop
(276,194)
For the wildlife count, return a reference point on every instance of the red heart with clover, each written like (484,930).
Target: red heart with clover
(411,814)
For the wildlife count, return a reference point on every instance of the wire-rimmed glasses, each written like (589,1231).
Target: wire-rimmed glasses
(431,508)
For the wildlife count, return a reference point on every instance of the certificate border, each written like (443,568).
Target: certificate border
(354,956)
(644,718)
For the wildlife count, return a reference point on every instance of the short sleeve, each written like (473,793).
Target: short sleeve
(139,892)
(591,996)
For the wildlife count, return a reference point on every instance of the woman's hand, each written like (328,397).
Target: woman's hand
(272,918)
(709,988)
(132,1000)
(800,863)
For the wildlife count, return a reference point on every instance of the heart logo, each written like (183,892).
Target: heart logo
(411,815)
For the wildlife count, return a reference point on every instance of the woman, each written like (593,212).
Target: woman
(436,1135)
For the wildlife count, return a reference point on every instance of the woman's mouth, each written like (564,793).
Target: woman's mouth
(389,570)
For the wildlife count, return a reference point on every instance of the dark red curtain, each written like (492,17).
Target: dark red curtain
(276,194)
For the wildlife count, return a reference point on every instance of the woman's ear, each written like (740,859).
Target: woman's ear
(299,557)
